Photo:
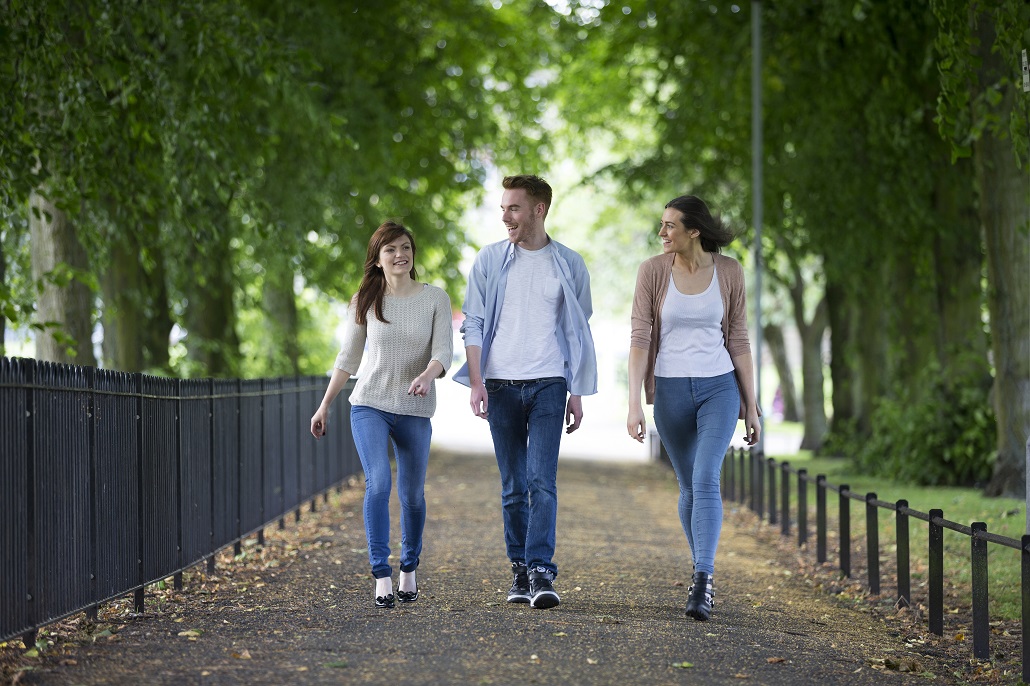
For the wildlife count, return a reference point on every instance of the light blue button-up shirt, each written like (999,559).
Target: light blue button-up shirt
(485,295)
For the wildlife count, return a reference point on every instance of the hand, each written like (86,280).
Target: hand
(420,386)
(636,425)
(752,425)
(479,400)
(319,423)
(573,413)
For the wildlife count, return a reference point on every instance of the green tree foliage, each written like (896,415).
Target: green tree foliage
(221,155)
(863,203)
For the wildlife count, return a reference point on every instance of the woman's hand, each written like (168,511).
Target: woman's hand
(319,422)
(636,425)
(421,385)
(752,425)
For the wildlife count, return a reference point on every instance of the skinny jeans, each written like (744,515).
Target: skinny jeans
(373,431)
(695,417)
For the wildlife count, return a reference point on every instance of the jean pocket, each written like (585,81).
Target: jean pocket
(492,386)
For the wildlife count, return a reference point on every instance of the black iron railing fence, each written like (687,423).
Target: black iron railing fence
(750,478)
(111,481)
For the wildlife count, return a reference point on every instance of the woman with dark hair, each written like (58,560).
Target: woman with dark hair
(405,326)
(689,350)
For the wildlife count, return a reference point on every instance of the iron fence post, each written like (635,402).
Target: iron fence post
(177,578)
(785,497)
(758,465)
(820,518)
(237,548)
(212,471)
(742,477)
(91,414)
(935,578)
(1025,569)
(31,374)
(981,621)
(138,593)
(904,578)
(872,538)
(845,530)
(802,507)
(771,469)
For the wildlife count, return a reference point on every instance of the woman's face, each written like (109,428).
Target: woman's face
(675,237)
(397,258)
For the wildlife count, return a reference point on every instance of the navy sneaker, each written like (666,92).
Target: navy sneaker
(542,593)
(519,592)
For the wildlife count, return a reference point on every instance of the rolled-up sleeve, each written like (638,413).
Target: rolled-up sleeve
(474,307)
(353,346)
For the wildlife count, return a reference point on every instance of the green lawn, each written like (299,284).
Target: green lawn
(1004,516)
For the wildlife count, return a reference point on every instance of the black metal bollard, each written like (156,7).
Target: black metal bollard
(785,497)
(981,621)
(820,518)
(845,530)
(802,507)
(1025,569)
(936,574)
(904,578)
(771,468)
(872,542)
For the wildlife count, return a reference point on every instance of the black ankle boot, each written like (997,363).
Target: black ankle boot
(702,595)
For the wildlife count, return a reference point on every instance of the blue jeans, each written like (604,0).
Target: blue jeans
(526,421)
(373,430)
(695,417)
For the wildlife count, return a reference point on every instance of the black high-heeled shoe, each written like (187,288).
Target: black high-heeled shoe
(407,596)
(701,598)
(384,601)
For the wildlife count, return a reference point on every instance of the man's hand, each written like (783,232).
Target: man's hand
(573,413)
(479,400)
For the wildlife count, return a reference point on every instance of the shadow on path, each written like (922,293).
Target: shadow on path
(624,568)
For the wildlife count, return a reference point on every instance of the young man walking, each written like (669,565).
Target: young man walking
(528,348)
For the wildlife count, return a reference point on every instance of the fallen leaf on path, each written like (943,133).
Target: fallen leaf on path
(242,655)
(591,661)
(191,633)
(559,633)
(775,660)
(741,675)
(683,665)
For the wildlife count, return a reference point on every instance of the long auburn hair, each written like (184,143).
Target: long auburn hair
(373,282)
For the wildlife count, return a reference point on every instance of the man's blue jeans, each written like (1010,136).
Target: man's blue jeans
(695,417)
(373,430)
(526,421)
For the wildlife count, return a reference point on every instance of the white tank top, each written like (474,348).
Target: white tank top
(691,341)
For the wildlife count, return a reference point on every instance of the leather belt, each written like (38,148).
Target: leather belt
(518,382)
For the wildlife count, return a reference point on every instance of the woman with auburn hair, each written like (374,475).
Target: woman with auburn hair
(405,326)
(689,350)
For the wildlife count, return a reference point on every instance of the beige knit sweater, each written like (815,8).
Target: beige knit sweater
(419,331)
(646,319)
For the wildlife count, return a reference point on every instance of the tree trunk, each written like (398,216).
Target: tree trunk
(212,343)
(123,307)
(64,308)
(1004,209)
(280,305)
(137,320)
(812,377)
(869,349)
(773,334)
(842,371)
(159,313)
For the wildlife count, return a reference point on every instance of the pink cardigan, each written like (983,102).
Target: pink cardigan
(649,295)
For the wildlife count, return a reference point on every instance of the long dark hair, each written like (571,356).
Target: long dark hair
(715,233)
(373,282)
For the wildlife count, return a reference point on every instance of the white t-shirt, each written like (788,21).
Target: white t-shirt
(691,341)
(525,344)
